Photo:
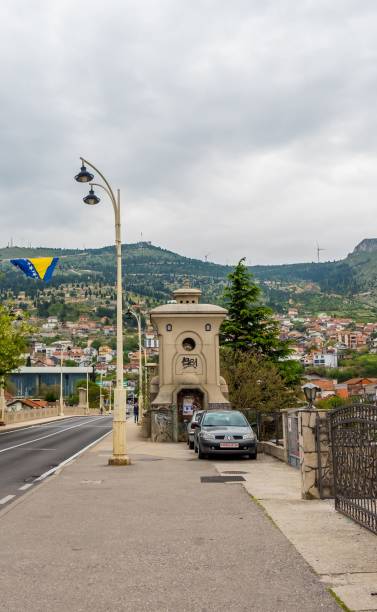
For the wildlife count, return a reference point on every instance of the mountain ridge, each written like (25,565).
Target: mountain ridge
(154,271)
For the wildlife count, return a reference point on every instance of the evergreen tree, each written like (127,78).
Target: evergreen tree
(250,326)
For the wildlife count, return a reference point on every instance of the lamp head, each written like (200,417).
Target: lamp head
(310,391)
(84,176)
(92,199)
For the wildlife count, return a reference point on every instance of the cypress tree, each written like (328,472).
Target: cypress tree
(250,326)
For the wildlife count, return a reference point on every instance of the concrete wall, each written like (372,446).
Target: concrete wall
(269,448)
(43,413)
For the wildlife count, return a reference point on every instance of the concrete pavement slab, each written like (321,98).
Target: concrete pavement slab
(150,537)
(337,548)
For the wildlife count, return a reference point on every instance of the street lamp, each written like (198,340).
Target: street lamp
(141,394)
(119,456)
(61,399)
(87,393)
(310,391)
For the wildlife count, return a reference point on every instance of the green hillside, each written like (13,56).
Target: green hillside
(345,286)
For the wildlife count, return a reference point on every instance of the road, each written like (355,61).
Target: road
(29,454)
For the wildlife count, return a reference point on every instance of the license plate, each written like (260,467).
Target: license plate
(229,445)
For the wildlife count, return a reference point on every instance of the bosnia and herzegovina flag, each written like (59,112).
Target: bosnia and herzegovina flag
(37,267)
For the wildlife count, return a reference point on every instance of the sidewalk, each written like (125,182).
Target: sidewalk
(150,536)
(341,552)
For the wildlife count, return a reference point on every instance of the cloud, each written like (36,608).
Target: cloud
(235,129)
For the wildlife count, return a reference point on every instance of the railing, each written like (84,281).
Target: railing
(43,413)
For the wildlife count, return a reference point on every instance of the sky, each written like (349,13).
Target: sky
(232,128)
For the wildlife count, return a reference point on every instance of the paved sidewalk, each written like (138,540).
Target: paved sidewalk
(148,537)
(340,551)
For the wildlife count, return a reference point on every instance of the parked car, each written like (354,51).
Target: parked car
(224,432)
(192,426)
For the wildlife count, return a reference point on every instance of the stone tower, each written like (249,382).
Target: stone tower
(189,366)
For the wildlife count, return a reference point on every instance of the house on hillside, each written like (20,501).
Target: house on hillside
(362,386)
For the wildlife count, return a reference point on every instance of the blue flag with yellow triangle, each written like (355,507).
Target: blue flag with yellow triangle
(37,267)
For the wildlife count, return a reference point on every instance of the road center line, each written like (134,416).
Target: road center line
(6,499)
(56,433)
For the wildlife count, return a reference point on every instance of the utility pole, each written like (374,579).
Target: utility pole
(319,249)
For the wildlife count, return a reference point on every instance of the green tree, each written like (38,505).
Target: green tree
(255,383)
(13,341)
(250,326)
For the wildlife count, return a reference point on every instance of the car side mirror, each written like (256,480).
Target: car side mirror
(194,425)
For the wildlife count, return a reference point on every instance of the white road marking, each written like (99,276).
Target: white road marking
(6,499)
(25,486)
(56,433)
(63,463)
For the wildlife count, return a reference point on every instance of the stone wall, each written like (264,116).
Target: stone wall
(315,454)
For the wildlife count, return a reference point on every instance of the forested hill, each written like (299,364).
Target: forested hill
(147,270)
(153,271)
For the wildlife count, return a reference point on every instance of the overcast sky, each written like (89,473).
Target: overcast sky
(232,127)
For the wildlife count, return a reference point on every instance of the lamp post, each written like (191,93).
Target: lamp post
(119,456)
(310,391)
(2,402)
(87,393)
(100,393)
(141,392)
(61,400)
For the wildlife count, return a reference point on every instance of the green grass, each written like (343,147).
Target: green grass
(340,603)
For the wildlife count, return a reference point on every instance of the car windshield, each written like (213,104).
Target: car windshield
(228,419)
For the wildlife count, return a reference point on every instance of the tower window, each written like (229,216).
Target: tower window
(188,344)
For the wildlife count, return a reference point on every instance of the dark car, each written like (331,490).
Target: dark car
(224,432)
(191,427)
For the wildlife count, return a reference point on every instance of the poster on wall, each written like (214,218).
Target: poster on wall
(188,406)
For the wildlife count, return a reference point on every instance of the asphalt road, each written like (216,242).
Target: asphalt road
(28,453)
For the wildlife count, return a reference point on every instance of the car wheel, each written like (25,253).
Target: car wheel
(201,455)
(253,455)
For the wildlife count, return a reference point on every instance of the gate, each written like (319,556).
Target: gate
(292,438)
(354,453)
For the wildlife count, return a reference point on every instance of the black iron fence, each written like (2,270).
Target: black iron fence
(267,425)
(354,453)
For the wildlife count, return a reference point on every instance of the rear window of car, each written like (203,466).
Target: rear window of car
(229,419)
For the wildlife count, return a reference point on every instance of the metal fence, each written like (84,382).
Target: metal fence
(353,431)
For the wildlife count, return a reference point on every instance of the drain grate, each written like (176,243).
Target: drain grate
(221,479)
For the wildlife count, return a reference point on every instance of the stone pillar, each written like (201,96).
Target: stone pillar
(82,397)
(315,454)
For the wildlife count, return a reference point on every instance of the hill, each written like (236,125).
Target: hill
(347,286)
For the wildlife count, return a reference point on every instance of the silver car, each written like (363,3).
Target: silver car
(193,424)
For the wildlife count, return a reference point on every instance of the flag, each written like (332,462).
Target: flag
(37,267)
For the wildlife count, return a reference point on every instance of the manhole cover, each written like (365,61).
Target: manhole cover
(221,479)
(234,472)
